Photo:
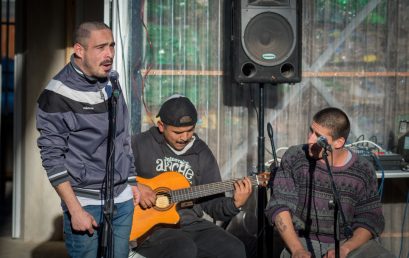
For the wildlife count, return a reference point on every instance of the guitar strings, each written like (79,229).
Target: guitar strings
(204,190)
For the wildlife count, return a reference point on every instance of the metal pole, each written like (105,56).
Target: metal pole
(262,194)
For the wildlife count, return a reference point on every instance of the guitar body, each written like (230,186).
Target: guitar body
(171,188)
(164,212)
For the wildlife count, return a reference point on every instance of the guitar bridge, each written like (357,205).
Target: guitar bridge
(186,204)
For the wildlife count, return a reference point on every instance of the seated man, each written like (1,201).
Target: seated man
(173,146)
(301,191)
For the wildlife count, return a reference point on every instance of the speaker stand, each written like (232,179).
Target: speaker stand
(262,192)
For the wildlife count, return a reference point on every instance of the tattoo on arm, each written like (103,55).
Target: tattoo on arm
(280,224)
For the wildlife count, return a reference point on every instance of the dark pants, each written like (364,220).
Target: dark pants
(371,249)
(200,239)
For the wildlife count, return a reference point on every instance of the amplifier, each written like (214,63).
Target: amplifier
(389,161)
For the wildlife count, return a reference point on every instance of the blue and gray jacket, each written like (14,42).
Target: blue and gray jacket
(72,118)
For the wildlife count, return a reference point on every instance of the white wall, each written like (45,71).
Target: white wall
(42,54)
(45,39)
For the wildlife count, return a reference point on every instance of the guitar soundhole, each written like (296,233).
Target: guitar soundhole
(163,199)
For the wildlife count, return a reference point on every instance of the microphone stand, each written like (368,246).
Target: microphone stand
(269,233)
(335,204)
(107,240)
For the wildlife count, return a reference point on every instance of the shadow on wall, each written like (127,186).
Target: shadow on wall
(54,247)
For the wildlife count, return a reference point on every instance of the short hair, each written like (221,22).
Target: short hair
(335,120)
(84,30)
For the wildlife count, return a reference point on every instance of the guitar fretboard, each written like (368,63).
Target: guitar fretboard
(205,190)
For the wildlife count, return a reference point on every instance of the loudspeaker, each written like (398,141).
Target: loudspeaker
(266,41)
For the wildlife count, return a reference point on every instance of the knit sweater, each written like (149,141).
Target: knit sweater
(302,186)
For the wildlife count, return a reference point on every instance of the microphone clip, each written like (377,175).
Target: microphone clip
(323,143)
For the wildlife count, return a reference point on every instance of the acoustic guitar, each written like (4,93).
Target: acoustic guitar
(171,189)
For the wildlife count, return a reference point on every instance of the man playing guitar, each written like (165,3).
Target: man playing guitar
(173,146)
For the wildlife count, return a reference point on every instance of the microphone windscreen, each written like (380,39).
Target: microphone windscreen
(322,141)
(113,75)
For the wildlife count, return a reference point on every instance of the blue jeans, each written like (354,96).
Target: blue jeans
(84,245)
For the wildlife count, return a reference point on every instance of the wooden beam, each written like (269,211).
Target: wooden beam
(306,74)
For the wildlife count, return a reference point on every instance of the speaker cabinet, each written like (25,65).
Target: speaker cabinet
(266,41)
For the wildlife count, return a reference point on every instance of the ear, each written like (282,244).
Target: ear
(79,50)
(161,126)
(338,143)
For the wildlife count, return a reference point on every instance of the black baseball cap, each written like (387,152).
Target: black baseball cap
(178,111)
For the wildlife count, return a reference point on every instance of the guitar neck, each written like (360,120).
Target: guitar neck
(198,191)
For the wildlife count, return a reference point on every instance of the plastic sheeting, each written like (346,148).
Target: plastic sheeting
(355,57)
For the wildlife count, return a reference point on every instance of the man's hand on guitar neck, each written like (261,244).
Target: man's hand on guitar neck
(242,191)
(148,196)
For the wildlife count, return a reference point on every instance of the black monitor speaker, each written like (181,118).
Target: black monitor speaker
(266,41)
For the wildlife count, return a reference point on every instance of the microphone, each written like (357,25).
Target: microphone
(113,77)
(273,149)
(323,143)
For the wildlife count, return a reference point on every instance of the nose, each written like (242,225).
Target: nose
(312,138)
(184,136)
(110,52)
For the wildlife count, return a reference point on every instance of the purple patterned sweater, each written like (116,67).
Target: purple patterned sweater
(302,186)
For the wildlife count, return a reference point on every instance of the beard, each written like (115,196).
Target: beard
(97,70)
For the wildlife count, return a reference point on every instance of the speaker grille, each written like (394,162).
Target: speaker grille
(268,39)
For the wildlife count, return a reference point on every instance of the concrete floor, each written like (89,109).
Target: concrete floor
(11,248)
(17,248)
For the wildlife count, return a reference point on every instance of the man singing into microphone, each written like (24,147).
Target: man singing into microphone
(72,118)
(301,192)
